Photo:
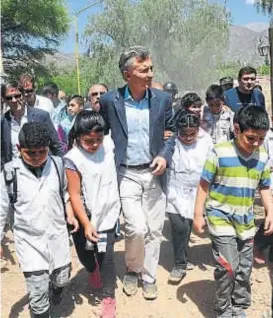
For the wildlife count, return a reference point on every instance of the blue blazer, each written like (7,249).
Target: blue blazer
(113,111)
(33,114)
(232,99)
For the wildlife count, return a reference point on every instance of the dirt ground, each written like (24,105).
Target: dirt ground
(192,298)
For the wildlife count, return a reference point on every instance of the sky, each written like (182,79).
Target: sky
(242,12)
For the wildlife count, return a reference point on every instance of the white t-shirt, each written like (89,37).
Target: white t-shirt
(98,183)
(184,174)
(44,103)
(15,129)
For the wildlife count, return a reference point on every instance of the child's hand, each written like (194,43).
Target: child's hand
(158,165)
(167,134)
(268,225)
(71,220)
(199,224)
(91,233)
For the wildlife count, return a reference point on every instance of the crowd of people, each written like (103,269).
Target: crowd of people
(71,166)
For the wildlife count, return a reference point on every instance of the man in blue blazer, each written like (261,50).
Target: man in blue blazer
(17,115)
(245,93)
(137,117)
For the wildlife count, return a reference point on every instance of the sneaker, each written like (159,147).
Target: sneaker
(130,283)
(149,290)
(176,275)
(190,266)
(108,308)
(94,279)
(240,314)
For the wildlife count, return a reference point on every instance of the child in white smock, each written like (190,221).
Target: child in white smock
(33,188)
(192,145)
(93,190)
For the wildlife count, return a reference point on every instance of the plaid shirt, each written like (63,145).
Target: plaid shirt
(218,126)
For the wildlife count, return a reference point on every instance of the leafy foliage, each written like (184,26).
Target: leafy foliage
(30,29)
(265,5)
(187,39)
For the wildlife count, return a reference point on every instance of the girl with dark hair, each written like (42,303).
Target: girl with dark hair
(192,144)
(93,190)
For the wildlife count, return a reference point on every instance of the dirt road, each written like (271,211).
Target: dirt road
(192,298)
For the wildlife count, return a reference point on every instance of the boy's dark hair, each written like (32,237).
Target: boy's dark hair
(24,78)
(252,117)
(186,119)
(85,122)
(214,92)
(8,85)
(190,99)
(78,98)
(246,70)
(34,135)
(50,88)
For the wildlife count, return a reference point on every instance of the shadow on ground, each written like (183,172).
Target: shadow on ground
(201,293)
(75,293)
(200,255)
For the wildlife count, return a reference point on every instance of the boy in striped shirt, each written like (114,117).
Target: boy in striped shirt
(232,173)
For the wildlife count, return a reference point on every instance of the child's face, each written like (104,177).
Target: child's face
(215,105)
(91,141)
(196,108)
(73,107)
(249,140)
(188,135)
(34,157)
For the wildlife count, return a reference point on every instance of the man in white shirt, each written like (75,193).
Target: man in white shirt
(27,83)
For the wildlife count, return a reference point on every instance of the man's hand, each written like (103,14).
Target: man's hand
(91,233)
(159,165)
(199,224)
(167,134)
(71,220)
(268,225)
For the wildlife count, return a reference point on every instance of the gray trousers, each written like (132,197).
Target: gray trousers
(143,204)
(234,260)
(38,287)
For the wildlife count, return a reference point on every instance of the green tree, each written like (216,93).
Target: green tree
(265,5)
(187,39)
(29,30)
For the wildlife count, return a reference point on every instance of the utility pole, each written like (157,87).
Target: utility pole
(76,14)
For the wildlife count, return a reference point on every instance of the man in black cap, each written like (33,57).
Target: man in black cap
(226,83)
(171,88)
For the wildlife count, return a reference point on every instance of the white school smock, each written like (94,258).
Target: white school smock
(40,231)
(184,174)
(99,184)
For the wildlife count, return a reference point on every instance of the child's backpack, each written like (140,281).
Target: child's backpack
(10,176)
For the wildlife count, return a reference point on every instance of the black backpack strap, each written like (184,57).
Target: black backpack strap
(10,176)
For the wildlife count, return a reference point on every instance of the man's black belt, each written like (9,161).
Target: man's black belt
(137,167)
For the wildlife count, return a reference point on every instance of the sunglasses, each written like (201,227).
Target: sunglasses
(97,93)
(28,91)
(16,96)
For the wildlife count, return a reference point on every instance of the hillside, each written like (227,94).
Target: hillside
(243,47)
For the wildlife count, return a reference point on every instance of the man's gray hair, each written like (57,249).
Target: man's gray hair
(126,58)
